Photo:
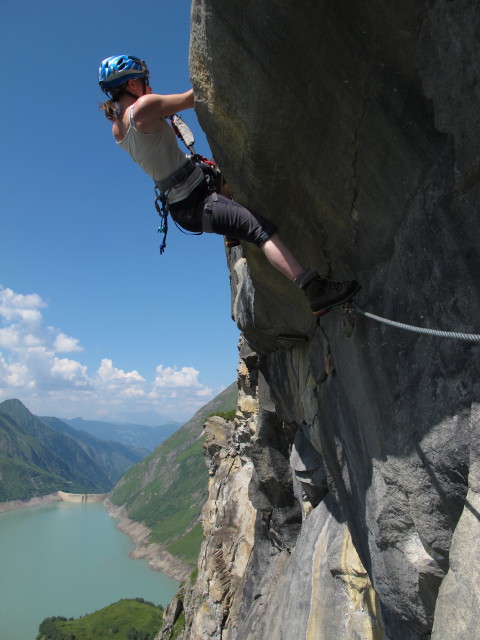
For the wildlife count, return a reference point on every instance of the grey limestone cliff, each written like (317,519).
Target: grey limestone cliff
(344,502)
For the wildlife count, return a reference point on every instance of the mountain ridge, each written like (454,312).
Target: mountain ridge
(36,459)
(127,433)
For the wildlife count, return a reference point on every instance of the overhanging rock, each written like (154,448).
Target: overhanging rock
(354,127)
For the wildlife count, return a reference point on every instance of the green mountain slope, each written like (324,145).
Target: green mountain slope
(114,458)
(27,467)
(36,459)
(123,620)
(81,470)
(166,490)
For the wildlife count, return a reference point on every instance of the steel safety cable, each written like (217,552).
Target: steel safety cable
(455,335)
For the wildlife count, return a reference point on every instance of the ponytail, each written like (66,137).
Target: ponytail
(110,110)
(110,107)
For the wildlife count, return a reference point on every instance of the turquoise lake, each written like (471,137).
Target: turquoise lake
(67,560)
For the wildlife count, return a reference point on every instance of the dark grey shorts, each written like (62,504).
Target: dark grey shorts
(202,211)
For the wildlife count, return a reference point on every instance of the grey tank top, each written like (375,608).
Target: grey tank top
(159,156)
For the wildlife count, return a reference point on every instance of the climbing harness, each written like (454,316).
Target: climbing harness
(162,187)
(469,337)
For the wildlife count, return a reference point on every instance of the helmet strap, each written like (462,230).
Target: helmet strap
(116,96)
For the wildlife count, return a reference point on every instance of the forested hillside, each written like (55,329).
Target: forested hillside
(36,460)
(113,457)
(27,467)
(166,490)
(126,619)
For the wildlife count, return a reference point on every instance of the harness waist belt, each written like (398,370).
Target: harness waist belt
(176,179)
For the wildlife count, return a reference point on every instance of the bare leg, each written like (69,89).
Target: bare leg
(322,294)
(282,258)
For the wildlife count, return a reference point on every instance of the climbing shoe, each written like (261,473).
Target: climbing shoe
(324,294)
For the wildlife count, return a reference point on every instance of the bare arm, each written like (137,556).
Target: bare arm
(149,109)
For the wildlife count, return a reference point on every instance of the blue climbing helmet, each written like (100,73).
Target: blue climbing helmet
(116,70)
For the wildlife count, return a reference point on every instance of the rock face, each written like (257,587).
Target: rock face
(344,504)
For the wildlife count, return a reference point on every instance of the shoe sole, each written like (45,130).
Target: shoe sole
(322,312)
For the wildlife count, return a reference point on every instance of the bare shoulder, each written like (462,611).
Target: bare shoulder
(150,108)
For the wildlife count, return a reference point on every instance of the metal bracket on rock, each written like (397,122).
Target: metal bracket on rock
(348,323)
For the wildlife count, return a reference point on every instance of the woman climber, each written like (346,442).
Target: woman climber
(140,127)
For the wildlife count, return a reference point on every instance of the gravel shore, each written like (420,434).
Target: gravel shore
(158,558)
(12,505)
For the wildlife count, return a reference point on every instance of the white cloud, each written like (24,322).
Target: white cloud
(107,373)
(69,371)
(24,308)
(169,378)
(31,370)
(66,344)
(15,375)
(124,384)
(8,338)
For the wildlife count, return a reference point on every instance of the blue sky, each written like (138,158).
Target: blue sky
(93,321)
